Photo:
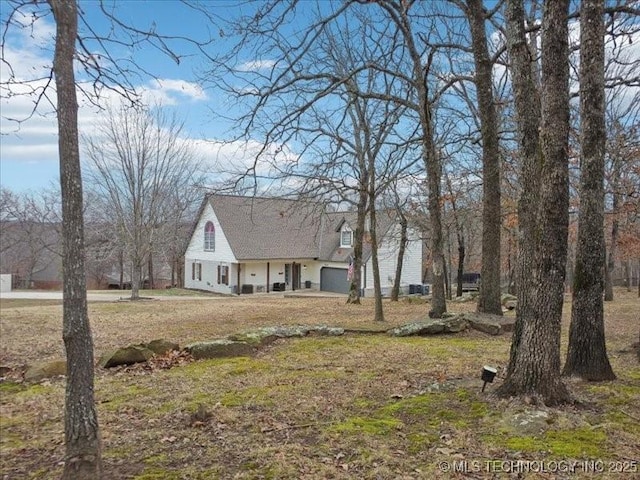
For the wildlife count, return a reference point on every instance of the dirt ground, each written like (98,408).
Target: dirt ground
(356,406)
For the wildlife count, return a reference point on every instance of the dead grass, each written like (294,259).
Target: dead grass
(357,406)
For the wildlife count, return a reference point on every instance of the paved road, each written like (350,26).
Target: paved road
(114,296)
(93,296)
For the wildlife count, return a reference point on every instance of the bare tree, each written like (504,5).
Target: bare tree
(534,364)
(418,49)
(323,96)
(103,70)
(30,238)
(82,434)
(622,117)
(489,299)
(135,162)
(587,352)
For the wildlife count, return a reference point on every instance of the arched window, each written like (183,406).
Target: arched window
(209,237)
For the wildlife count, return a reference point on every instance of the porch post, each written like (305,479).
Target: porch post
(268,280)
(238,280)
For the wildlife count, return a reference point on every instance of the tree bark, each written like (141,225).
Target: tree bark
(489,300)
(527,116)
(587,353)
(461,255)
(150,269)
(136,273)
(395,292)
(534,365)
(399,14)
(379,312)
(613,248)
(82,435)
(356,281)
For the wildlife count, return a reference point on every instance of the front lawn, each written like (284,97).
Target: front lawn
(355,406)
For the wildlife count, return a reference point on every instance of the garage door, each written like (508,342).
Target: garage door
(334,280)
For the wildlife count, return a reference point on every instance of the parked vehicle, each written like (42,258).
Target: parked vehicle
(470,282)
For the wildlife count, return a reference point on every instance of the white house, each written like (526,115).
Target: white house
(250,245)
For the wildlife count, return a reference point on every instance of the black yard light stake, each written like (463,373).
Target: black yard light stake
(488,374)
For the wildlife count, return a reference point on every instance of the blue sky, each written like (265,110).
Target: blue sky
(28,150)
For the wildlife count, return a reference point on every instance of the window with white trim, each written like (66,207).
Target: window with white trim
(223,275)
(196,271)
(346,237)
(209,237)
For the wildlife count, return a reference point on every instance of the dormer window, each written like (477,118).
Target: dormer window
(209,237)
(346,237)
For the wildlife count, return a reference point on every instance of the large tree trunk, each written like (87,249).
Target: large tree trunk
(82,436)
(121,267)
(136,274)
(395,292)
(461,255)
(534,366)
(399,13)
(379,313)
(490,294)
(438,299)
(448,267)
(527,114)
(613,248)
(587,352)
(356,280)
(150,270)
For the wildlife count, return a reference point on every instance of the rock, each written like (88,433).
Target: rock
(507,323)
(466,297)
(510,304)
(220,349)
(288,331)
(161,346)
(43,370)
(125,356)
(325,330)
(256,338)
(266,335)
(485,323)
(491,324)
(507,297)
(530,422)
(432,326)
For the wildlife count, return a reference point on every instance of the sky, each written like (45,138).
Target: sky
(28,140)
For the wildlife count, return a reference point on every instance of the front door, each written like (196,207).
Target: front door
(296,276)
(292,275)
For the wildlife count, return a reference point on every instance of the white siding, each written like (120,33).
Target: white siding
(387,261)
(5,282)
(251,273)
(195,250)
(223,255)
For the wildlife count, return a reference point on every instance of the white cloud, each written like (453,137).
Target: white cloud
(256,65)
(30,153)
(29,131)
(170,91)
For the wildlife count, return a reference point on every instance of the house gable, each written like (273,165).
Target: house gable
(221,251)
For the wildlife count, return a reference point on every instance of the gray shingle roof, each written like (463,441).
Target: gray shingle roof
(269,228)
(272,228)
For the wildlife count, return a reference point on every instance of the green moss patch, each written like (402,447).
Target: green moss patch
(367,426)
(217,367)
(8,388)
(586,442)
